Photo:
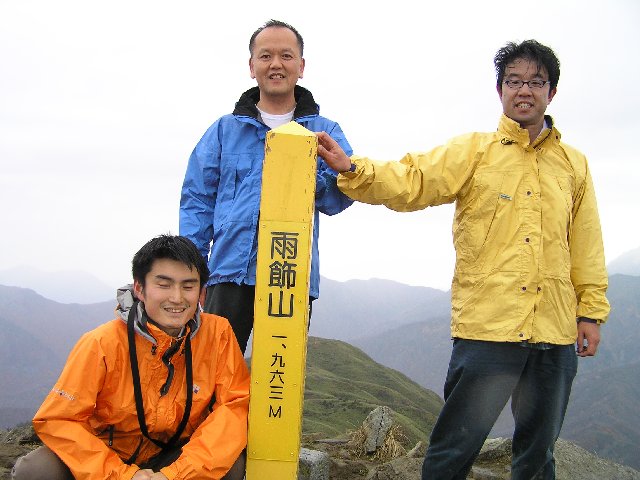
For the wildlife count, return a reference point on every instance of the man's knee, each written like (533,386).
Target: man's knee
(40,464)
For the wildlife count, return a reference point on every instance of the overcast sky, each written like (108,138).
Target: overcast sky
(101,104)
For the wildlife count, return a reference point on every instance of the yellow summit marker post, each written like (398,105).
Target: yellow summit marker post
(281,306)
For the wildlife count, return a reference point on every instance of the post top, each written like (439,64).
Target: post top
(292,128)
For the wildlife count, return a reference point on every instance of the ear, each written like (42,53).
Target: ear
(138,290)
(203,296)
(499,89)
(253,74)
(301,69)
(552,93)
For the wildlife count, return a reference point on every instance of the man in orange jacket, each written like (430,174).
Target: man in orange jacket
(160,393)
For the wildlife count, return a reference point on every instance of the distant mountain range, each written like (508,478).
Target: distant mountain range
(66,286)
(628,263)
(74,286)
(402,327)
(352,309)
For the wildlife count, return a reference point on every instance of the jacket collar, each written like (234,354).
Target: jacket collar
(305,104)
(127,301)
(510,131)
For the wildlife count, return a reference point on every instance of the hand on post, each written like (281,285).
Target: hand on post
(332,153)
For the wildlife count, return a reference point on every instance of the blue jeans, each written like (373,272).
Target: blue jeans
(481,378)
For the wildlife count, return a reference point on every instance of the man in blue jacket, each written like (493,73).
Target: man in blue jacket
(220,201)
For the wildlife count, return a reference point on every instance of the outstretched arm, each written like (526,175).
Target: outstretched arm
(332,153)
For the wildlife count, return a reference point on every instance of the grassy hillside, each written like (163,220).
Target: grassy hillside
(343,385)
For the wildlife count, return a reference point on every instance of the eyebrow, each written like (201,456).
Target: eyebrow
(275,49)
(170,279)
(535,76)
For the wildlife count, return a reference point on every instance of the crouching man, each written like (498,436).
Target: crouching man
(160,393)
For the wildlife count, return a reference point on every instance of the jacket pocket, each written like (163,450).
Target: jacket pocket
(476,214)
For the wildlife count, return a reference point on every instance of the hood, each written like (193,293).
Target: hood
(127,300)
(305,104)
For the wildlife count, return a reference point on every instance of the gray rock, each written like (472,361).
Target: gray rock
(376,426)
(418,451)
(314,465)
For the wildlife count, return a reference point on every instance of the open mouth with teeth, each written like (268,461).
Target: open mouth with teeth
(524,105)
(175,310)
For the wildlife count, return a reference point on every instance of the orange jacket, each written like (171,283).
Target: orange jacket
(89,418)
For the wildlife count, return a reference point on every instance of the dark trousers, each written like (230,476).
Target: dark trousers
(481,378)
(235,303)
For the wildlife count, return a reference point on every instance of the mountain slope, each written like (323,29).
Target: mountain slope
(58,325)
(26,373)
(604,414)
(36,335)
(419,350)
(343,385)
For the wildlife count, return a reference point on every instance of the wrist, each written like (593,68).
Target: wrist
(587,320)
(350,169)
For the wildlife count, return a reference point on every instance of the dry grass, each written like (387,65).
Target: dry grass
(391,448)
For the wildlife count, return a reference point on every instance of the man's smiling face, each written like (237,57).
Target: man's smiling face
(526,105)
(276,62)
(170,294)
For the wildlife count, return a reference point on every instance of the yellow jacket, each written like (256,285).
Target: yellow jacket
(529,254)
(89,418)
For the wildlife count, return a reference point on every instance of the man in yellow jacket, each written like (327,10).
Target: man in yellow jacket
(160,393)
(530,279)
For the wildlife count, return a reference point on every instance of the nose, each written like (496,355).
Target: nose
(522,91)
(175,294)
(276,62)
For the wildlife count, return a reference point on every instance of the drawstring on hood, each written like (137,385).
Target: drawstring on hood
(131,311)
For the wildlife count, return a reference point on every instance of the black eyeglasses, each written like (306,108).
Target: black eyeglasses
(518,84)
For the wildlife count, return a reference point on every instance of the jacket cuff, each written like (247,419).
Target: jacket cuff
(587,320)
(352,172)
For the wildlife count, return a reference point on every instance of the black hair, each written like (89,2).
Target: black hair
(532,50)
(173,247)
(276,23)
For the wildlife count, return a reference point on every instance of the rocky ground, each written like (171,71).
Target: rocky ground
(13,444)
(572,463)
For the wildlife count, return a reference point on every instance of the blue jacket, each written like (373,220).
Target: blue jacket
(220,201)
